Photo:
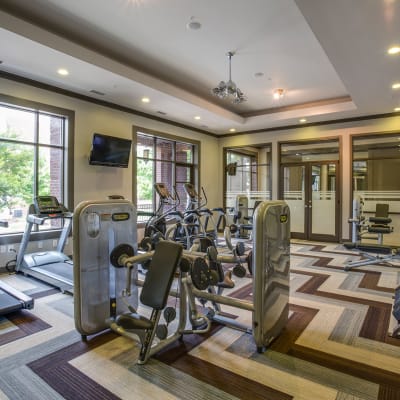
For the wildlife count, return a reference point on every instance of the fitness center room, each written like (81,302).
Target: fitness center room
(200,200)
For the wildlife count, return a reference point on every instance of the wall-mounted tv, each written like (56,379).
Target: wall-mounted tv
(110,151)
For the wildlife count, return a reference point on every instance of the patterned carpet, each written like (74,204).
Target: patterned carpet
(336,345)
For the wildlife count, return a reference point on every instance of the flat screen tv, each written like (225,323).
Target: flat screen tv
(110,151)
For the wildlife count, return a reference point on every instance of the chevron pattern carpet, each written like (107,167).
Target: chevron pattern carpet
(336,345)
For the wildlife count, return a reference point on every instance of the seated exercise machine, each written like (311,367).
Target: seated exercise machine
(243,225)
(106,278)
(53,267)
(362,227)
(107,284)
(13,300)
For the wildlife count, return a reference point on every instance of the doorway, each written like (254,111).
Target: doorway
(312,191)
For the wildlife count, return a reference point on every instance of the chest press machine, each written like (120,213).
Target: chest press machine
(107,284)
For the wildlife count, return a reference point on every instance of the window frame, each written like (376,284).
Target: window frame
(195,166)
(67,148)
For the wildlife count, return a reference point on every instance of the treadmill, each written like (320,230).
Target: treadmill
(52,267)
(13,300)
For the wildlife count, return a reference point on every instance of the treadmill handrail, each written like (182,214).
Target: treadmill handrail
(26,301)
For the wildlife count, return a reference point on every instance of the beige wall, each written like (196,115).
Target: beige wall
(97,182)
(342,130)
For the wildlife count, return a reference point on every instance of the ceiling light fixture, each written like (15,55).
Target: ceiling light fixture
(63,72)
(397,109)
(197,117)
(145,100)
(232,130)
(278,94)
(394,50)
(396,85)
(229,89)
(302,120)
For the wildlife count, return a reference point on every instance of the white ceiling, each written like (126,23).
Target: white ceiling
(330,56)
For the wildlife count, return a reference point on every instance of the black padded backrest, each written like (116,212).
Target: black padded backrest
(382,210)
(158,281)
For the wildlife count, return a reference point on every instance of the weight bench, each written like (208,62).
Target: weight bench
(154,294)
(383,254)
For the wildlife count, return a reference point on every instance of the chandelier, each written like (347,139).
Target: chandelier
(229,89)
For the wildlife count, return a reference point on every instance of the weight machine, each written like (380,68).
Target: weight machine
(378,225)
(107,284)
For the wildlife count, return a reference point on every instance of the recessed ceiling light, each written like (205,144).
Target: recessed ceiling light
(232,130)
(197,117)
(63,71)
(302,120)
(397,109)
(396,85)
(145,100)
(278,94)
(394,50)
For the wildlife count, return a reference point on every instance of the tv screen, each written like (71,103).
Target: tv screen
(110,151)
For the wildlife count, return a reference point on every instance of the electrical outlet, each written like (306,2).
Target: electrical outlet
(40,245)
(3,249)
(10,248)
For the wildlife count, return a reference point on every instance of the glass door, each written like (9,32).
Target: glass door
(323,204)
(310,192)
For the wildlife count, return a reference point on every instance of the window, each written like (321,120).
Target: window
(376,160)
(248,176)
(34,140)
(166,160)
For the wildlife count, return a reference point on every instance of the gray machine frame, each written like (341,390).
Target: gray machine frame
(271,264)
(100,226)
(53,267)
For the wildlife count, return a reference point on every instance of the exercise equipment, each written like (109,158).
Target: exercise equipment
(13,300)
(108,285)
(271,261)
(53,267)
(99,227)
(202,217)
(361,227)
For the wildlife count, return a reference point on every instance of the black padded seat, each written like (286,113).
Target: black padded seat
(379,229)
(133,321)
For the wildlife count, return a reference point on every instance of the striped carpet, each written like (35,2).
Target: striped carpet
(336,345)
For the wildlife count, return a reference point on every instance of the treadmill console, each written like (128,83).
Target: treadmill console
(162,190)
(47,205)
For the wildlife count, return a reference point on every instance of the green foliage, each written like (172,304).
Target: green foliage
(17,173)
(144,180)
